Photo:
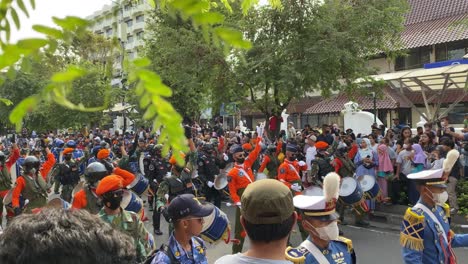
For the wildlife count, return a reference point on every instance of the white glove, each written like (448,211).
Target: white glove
(166,196)
(301,163)
(296,187)
(210,184)
(238,204)
(225,157)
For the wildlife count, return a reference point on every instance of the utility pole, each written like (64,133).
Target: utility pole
(375,107)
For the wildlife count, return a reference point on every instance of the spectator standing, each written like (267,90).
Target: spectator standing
(267,216)
(442,131)
(326,135)
(291,133)
(404,167)
(454,177)
(384,170)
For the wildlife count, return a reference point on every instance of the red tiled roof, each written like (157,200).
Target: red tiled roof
(390,100)
(427,10)
(434,32)
(450,96)
(302,104)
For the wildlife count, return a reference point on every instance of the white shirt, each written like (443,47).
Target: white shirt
(310,156)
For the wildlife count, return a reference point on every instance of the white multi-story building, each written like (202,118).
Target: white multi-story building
(124,20)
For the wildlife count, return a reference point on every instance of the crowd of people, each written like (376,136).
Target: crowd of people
(274,179)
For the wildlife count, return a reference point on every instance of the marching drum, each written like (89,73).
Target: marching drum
(140,184)
(216,227)
(350,191)
(313,191)
(131,202)
(369,186)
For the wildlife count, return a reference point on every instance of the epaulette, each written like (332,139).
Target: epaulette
(296,255)
(347,241)
(412,229)
(446,208)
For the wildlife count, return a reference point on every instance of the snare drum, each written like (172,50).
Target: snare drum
(313,191)
(369,186)
(140,184)
(350,191)
(216,227)
(131,202)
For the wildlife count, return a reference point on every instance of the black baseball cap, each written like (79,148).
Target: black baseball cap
(188,205)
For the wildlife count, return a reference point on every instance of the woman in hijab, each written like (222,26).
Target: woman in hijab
(384,170)
(366,161)
(419,158)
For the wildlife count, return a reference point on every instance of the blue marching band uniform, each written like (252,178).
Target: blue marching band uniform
(323,208)
(425,234)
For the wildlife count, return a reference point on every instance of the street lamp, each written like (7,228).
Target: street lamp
(375,107)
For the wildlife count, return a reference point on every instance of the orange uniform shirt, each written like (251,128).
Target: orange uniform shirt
(266,160)
(288,172)
(47,166)
(241,175)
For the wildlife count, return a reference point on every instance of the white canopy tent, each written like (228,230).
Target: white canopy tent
(437,80)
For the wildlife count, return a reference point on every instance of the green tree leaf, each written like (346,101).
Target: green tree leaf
(6,101)
(32,43)
(25,106)
(33,4)
(70,22)
(69,75)
(22,7)
(15,18)
(52,32)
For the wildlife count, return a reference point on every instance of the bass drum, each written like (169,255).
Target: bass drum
(350,191)
(133,203)
(140,185)
(369,186)
(216,227)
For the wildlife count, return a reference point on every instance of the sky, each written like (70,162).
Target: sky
(46,9)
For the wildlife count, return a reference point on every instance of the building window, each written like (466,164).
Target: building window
(129,23)
(128,7)
(109,32)
(131,55)
(416,58)
(139,35)
(130,39)
(451,50)
(140,18)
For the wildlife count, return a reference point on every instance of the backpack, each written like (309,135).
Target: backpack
(164,249)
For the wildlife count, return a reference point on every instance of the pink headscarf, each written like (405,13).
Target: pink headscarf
(384,160)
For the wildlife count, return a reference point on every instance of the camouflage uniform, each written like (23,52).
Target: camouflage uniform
(128,223)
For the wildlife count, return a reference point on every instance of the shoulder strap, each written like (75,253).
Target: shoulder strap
(164,249)
(434,218)
(315,252)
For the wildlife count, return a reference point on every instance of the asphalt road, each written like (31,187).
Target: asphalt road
(377,244)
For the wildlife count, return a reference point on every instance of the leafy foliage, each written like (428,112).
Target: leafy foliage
(194,68)
(148,83)
(314,46)
(462,195)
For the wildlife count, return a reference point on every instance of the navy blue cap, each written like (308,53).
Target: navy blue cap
(236,148)
(188,205)
(291,147)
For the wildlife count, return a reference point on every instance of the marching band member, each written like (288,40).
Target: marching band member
(425,234)
(239,177)
(319,218)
